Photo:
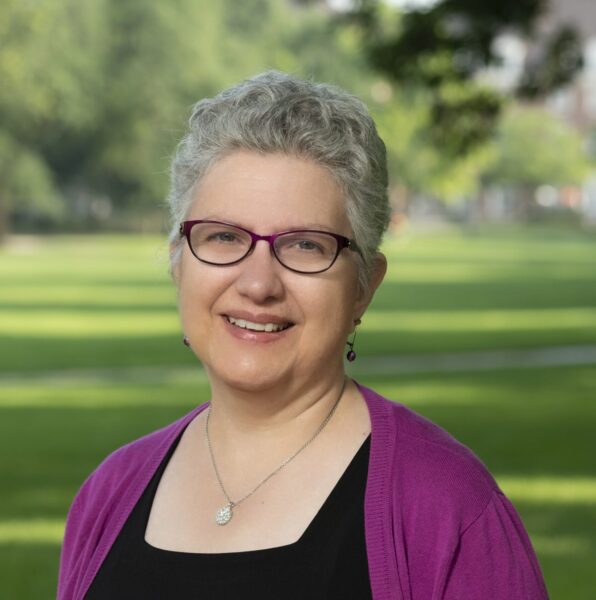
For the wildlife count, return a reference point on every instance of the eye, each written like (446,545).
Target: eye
(224,237)
(307,245)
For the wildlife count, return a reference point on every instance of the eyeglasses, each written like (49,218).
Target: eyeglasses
(300,250)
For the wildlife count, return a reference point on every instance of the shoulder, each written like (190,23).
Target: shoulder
(436,520)
(432,473)
(140,453)
(105,499)
(130,462)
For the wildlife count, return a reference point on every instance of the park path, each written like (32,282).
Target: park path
(480,360)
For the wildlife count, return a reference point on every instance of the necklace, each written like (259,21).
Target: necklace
(225,513)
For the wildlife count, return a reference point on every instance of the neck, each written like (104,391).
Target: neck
(287,406)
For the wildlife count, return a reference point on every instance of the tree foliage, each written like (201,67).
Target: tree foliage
(442,48)
(533,147)
(50,76)
(95,93)
(417,164)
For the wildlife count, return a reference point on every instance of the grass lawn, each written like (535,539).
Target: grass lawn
(80,314)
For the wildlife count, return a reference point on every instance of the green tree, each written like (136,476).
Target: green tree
(95,93)
(26,184)
(441,49)
(416,163)
(533,148)
(49,58)
(162,57)
(98,92)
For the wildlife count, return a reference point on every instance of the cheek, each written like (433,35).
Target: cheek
(189,309)
(198,290)
(330,308)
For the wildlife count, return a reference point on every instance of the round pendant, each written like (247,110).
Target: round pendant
(223,515)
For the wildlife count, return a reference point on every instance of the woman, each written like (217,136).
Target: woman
(294,481)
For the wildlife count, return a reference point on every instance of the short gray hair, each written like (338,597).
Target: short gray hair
(278,113)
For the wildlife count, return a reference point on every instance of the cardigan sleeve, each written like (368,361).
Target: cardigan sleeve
(495,559)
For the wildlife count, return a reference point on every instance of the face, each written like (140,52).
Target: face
(315,313)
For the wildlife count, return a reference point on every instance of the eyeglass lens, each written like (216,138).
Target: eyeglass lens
(304,251)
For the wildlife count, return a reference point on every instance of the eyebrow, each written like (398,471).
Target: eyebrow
(307,226)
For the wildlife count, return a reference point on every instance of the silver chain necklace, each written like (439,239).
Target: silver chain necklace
(225,513)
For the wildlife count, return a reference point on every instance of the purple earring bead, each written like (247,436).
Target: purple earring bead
(351,356)
(185,341)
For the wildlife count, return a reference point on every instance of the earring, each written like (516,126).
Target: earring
(186,342)
(351,355)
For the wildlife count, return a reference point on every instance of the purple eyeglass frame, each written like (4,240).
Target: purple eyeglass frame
(342,242)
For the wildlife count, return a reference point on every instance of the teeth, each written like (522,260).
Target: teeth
(268,327)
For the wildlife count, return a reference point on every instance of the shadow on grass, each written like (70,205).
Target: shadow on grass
(28,571)
(519,293)
(33,353)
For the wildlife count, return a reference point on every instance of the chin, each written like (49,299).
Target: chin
(249,376)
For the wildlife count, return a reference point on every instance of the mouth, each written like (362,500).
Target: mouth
(260,327)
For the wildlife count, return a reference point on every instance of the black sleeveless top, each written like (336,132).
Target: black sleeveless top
(327,562)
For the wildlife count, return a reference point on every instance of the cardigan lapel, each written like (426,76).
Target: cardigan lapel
(388,581)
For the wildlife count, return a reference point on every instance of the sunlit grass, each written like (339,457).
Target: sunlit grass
(494,244)
(73,324)
(549,490)
(97,394)
(479,320)
(410,271)
(93,295)
(33,531)
(568,546)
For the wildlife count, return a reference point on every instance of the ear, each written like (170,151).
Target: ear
(376,278)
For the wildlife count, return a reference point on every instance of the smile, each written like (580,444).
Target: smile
(266,327)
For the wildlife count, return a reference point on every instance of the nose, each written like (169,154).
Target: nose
(260,275)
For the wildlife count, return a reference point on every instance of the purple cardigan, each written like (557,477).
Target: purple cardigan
(437,526)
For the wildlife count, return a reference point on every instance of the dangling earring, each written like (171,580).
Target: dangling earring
(186,342)
(351,355)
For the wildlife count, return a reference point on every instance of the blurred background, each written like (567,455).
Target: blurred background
(486,322)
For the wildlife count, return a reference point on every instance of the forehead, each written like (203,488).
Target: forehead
(266,191)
